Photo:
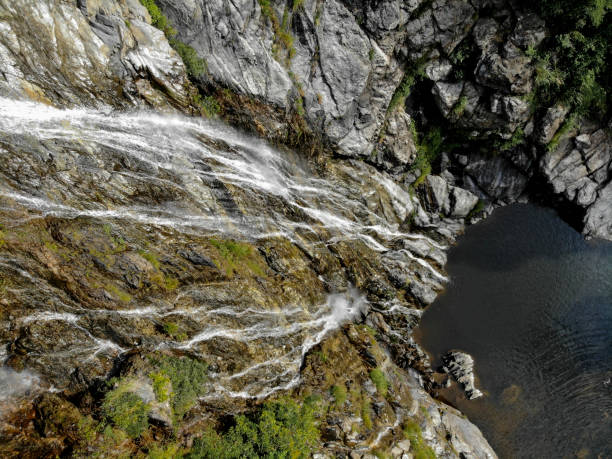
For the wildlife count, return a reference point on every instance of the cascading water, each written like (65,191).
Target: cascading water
(191,176)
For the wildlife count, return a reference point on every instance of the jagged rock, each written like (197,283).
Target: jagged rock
(447,95)
(397,147)
(529,31)
(598,219)
(100,54)
(345,77)
(439,194)
(438,69)
(551,123)
(497,177)
(462,202)
(461,366)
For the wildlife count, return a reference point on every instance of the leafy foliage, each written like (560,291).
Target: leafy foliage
(339,394)
(278,430)
(195,65)
(428,150)
(380,381)
(157,18)
(187,377)
(572,65)
(126,410)
(419,448)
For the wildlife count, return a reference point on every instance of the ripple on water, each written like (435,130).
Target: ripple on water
(532,302)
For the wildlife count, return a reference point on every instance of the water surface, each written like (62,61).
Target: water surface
(531,300)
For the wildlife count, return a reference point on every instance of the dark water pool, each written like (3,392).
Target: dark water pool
(531,300)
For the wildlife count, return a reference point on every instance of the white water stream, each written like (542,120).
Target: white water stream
(189,165)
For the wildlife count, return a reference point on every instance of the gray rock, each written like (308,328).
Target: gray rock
(438,69)
(447,95)
(462,202)
(551,123)
(529,31)
(461,366)
(397,147)
(438,196)
(598,219)
(497,177)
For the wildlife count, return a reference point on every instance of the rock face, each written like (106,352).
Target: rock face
(286,274)
(461,366)
(339,64)
(91,53)
(342,78)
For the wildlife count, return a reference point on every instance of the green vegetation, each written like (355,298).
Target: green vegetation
(572,64)
(172,329)
(459,107)
(209,105)
(419,448)
(52,246)
(427,151)
(171,451)
(567,126)
(195,65)
(479,207)
(380,381)
(339,394)
(166,283)
(158,19)
(411,76)
(126,410)
(122,296)
(150,257)
(278,430)
(162,386)
(98,440)
(518,137)
(365,413)
(187,377)
(236,253)
(282,35)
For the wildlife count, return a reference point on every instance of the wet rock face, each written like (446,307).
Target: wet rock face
(343,78)
(91,53)
(343,62)
(461,366)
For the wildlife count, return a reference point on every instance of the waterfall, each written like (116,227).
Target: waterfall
(196,176)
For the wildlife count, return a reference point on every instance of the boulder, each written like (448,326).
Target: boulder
(460,366)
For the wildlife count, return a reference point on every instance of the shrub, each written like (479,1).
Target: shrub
(195,65)
(162,386)
(126,410)
(339,394)
(419,448)
(157,18)
(459,107)
(187,377)
(572,64)
(380,381)
(280,429)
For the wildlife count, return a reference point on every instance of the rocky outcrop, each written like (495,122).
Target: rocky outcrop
(88,53)
(480,75)
(461,366)
(144,232)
